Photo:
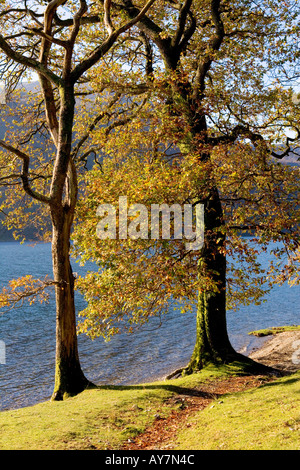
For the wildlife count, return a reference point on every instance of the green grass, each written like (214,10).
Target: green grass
(265,418)
(97,418)
(105,417)
(274,330)
(101,418)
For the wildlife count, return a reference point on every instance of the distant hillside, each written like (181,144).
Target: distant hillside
(6,235)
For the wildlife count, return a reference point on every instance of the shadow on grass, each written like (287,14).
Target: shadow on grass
(197,392)
(289,381)
(192,392)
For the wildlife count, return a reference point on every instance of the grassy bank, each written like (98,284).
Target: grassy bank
(274,330)
(103,418)
(265,418)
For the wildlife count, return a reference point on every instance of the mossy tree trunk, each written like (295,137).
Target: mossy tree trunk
(69,378)
(212,342)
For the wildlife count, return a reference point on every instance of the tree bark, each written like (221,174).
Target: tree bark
(212,342)
(69,378)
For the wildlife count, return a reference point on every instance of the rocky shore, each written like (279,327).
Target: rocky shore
(281,351)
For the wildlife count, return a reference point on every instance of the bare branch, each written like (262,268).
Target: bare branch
(184,10)
(71,185)
(76,21)
(25,172)
(215,43)
(107,19)
(49,38)
(28,62)
(86,64)
(48,17)
(50,108)
(70,43)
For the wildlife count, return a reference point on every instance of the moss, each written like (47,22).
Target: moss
(274,330)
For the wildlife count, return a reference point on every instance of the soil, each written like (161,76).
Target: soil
(281,351)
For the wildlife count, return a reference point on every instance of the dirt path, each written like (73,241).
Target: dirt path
(162,433)
(280,351)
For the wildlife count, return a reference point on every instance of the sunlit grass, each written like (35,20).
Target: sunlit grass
(105,417)
(274,330)
(265,418)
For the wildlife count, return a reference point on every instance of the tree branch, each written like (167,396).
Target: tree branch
(86,64)
(149,55)
(28,62)
(25,172)
(243,130)
(126,119)
(70,43)
(92,126)
(288,149)
(76,20)
(237,131)
(107,19)
(146,25)
(48,37)
(214,46)
(50,108)
(184,10)
(46,84)
(25,288)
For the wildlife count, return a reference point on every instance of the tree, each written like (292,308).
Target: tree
(60,41)
(215,72)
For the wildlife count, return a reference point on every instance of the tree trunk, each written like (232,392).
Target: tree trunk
(69,378)
(212,342)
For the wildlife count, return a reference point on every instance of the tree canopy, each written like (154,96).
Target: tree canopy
(219,118)
(60,41)
(173,102)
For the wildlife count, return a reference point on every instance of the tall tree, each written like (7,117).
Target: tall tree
(60,41)
(216,69)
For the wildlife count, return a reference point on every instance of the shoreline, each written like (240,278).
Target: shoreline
(281,351)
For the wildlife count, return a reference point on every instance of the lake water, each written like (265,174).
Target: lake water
(28,333)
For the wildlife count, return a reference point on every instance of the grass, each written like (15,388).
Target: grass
(274,330)
(98,418)
(105,417)
(265,418)
(101,418)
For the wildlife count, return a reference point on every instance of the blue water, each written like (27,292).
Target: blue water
(27,377)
